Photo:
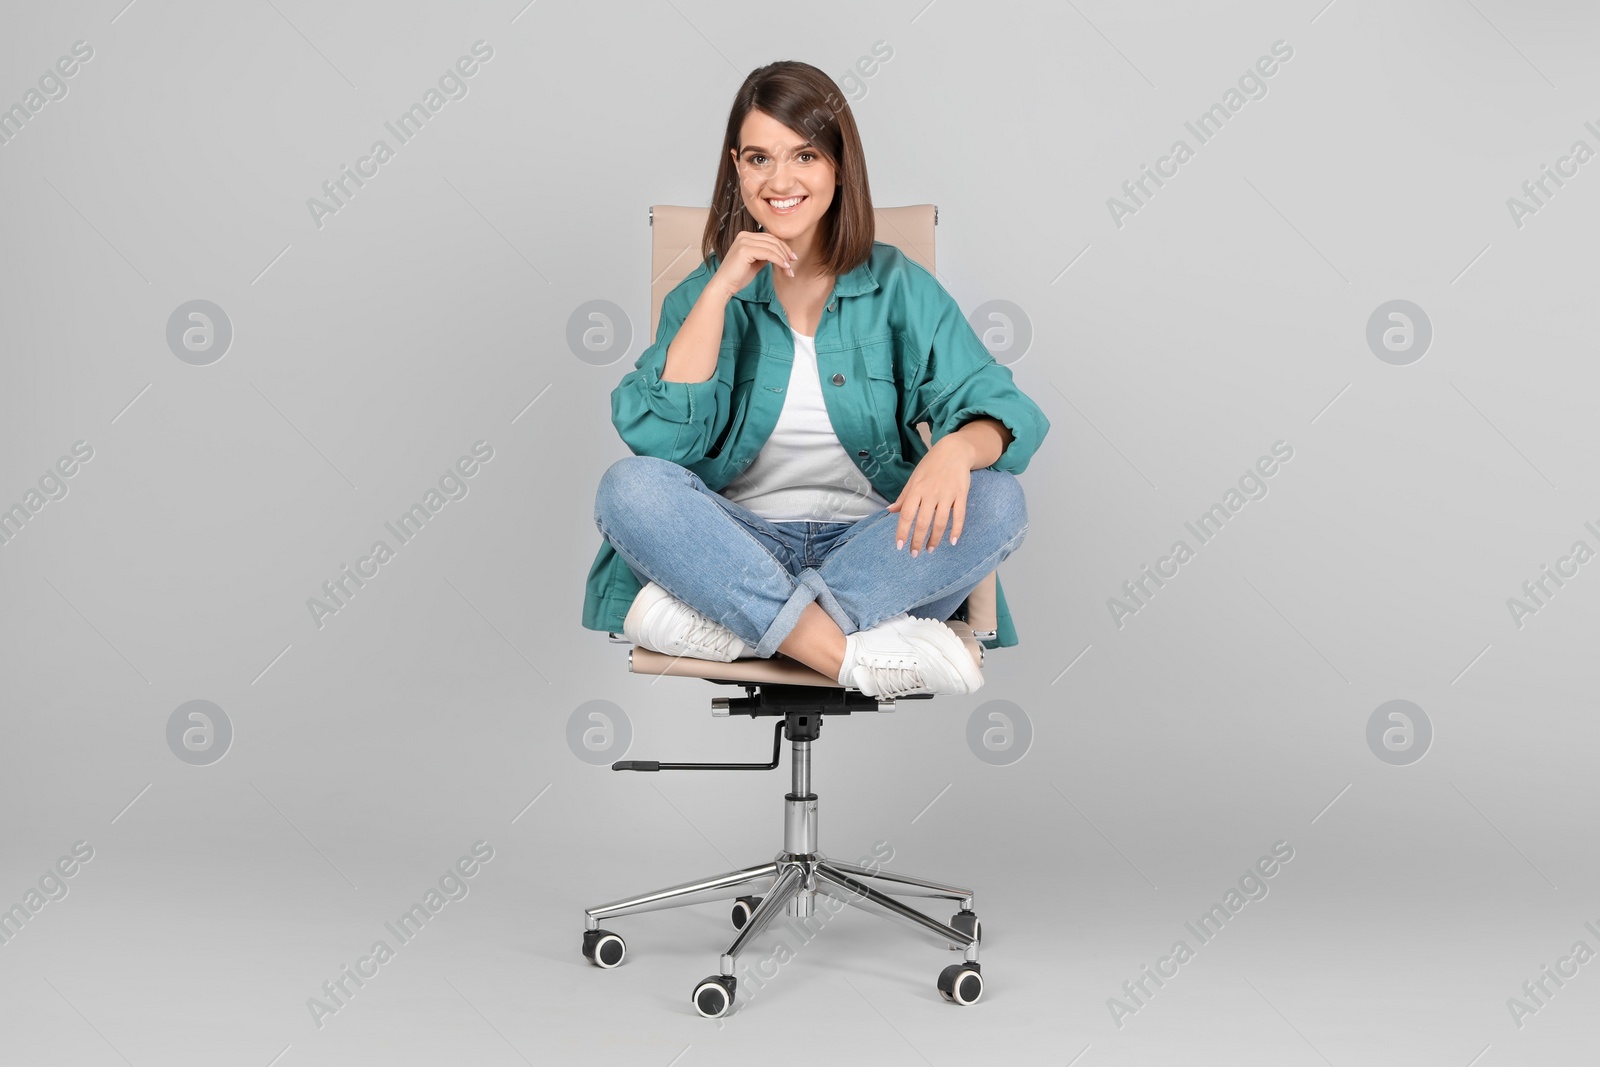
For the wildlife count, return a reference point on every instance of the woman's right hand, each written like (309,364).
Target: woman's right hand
(749,252)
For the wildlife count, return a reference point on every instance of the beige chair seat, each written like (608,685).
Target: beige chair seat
(780,669)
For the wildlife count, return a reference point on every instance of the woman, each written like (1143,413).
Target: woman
(779,498)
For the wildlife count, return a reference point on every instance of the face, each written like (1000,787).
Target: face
(775,164)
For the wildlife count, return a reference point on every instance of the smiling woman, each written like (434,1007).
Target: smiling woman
(779,499)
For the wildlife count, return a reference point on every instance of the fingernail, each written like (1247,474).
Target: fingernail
(952,542)
(913,553)
(899,544)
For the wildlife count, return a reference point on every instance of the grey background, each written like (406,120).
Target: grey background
(1167,755)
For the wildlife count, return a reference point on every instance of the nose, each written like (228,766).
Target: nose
(777,169)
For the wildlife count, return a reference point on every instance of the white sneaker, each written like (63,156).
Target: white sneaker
(902,656)
(660,622)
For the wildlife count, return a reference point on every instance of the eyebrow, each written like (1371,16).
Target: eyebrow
(758,148)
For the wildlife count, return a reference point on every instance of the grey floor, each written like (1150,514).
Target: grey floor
(208,916)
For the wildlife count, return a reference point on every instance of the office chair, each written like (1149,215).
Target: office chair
(797,698)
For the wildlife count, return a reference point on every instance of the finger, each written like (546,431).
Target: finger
(903,527)
(908,522)
(782,253)
(919,536)
(768,249)
(941,518)
(959,519)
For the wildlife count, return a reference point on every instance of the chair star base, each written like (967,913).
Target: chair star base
(790,882)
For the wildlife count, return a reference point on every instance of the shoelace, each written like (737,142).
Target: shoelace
(705,634)
(893,677)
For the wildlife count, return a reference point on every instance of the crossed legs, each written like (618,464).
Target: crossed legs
(816,641)
(737,568)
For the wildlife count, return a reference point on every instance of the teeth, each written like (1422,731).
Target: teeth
(785,204)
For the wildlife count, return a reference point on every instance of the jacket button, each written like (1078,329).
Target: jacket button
(838,379)
(863,453)
(830,305)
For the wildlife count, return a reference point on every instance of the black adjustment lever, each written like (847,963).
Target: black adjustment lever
(656,765)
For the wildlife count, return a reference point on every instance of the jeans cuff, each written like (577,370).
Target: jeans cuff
(810,578)
(788,616)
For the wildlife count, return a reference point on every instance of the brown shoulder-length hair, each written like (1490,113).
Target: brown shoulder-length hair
(807,101)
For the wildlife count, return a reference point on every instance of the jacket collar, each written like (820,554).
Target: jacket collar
(759,290)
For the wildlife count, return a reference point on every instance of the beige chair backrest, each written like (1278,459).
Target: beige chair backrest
(675,234)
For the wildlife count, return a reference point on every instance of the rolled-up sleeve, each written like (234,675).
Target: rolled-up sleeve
(669,420)
(960,380)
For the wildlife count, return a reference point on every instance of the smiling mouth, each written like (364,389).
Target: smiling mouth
(785,210)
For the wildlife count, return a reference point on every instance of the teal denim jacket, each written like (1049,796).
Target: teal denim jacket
(893,350)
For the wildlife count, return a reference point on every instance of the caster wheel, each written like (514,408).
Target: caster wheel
(967,922)
(743,908)
(961,983)
(604,948)
(714,996)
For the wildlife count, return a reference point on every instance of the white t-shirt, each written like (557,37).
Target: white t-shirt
(803,473)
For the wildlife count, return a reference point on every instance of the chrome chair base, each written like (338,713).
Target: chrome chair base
(789,885)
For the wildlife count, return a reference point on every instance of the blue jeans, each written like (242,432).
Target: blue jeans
(755,576)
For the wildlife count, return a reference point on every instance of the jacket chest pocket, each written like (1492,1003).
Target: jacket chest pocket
(888,408)
(739,401)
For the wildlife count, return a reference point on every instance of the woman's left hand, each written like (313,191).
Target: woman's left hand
(936,494)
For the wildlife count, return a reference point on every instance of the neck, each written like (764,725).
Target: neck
(808,246)
(782,282)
